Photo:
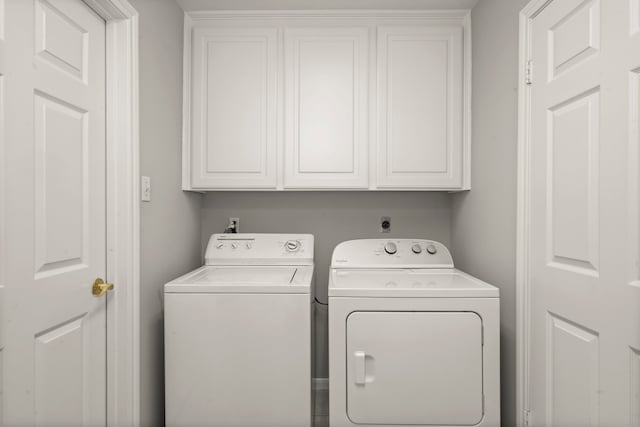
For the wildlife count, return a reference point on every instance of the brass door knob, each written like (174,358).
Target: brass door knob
(100,288)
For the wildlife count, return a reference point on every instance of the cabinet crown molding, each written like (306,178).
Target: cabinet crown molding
(410,15)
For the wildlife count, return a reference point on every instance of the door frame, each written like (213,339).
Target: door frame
(123,211)
(523,228)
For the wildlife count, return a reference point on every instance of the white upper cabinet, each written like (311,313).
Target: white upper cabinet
(323,100)
(326,109)
(234,98)
(420,113)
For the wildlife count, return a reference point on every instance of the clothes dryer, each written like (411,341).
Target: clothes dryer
(412,340)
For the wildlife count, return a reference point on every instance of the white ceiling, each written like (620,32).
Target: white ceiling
(189,5)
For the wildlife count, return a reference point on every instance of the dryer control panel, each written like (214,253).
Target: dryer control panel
(259,249)
(391,253)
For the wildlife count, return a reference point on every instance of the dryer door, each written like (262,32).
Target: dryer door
(421,368)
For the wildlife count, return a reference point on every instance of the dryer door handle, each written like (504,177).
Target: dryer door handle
(359,362)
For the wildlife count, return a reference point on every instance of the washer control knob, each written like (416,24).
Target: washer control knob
(219,245)
(432,249)
(249,245)
(292,245)
(234,245)
(390,248)
(416,249)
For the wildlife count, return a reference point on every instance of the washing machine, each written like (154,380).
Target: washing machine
(412,340)
(238,335)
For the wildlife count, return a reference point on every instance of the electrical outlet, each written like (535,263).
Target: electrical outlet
(236,223)
(145,188)
(385,224)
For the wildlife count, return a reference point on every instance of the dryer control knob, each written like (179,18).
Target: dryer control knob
(234,245)
(432,249)
(390,248)
(219,245)
(292,245)
(416,249)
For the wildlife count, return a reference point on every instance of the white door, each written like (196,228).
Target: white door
(234,108)
(326,108)
(54,215)
(585,293)
(420,117)
(2,197)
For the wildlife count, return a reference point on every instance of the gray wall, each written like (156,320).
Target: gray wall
(479,225)
(170,237)
(331,217)
(483,221)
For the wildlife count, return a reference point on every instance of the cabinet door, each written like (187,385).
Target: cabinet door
(420,113)
(326,80)
(234,88)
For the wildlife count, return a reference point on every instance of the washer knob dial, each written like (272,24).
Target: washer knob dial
(292,245)
(416,249)
(249,246)
(219,245)
(234,245)
(432,249)
(390,248)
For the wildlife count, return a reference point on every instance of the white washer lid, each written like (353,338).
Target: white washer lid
(243,279)
(404,283)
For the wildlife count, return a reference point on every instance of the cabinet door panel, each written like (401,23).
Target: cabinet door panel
(234,99)
(326,107)
(420,82)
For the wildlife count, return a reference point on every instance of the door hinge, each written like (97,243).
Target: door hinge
(527,418)
(528,72)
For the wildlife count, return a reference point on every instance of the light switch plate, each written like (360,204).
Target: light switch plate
(145,188)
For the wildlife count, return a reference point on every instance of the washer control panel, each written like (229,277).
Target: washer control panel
(391,253)
(259,249)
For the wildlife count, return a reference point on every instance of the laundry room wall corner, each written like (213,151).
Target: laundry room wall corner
(170,222)
(483,221)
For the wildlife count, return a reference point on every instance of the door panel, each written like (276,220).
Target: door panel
(59,351)
(61,235)
(419,107)
(573,227)
(572,373)
(414,368)
(60,40)
(55,203)
(234,99)
(585,302)
(574,38)
(326,107)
